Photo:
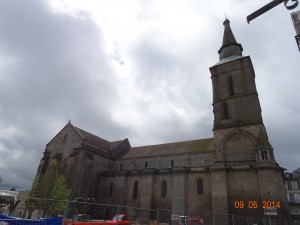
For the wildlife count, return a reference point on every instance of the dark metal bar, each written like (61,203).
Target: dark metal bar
(264,9)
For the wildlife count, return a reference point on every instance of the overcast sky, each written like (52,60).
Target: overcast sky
(136,69)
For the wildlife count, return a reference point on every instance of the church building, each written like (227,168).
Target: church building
(232,173)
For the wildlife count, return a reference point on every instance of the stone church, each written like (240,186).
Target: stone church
(212,177)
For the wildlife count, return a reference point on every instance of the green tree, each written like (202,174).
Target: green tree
(49,193)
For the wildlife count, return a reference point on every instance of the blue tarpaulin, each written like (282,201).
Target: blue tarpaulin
(20,221)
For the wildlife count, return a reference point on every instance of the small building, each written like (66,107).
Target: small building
(292,184)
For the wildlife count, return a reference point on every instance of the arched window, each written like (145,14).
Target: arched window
(199,187)
(225,110)
(202,162)
(146,164)
(172,163)
(110,189)
(231,87)
(135,189)
(164,189)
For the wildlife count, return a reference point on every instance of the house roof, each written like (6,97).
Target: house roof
(192,146)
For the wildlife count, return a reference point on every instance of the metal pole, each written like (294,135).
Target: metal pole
(269,220)
(157,214)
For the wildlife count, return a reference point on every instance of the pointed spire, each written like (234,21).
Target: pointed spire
(229,46)
(262,141)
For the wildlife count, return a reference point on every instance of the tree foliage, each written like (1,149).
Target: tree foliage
(50,193)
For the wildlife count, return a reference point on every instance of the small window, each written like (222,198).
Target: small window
(266,154)
(199,187)
(164,189)
(299,184)
(121,166)
(172,163)
(110,190)
(262,155)
(231,87)
(146,164)
(289,185)
(135,189)
(225,110)
(292,197)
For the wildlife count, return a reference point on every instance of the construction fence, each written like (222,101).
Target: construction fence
(143,216)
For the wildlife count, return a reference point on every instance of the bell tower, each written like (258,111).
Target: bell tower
(244,166)
(235,99)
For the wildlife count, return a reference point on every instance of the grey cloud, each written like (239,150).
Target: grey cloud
(58,71)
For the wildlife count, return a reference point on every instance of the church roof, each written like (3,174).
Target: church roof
(192,146)
(95,140)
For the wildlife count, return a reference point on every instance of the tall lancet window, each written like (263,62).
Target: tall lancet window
(231,88)
(225,110)
(164,189)
(135,189)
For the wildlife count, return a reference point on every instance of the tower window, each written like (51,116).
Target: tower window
(225,110)
(146,164)
(266,154)
(262,155)
(199,187)
(231,88)
(135,189)
(164,189)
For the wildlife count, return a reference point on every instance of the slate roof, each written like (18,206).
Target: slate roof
(97,141)
(262,141)
(192,146)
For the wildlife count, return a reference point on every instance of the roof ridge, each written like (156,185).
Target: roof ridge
(173,142)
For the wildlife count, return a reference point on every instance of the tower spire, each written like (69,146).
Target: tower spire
(230,47)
